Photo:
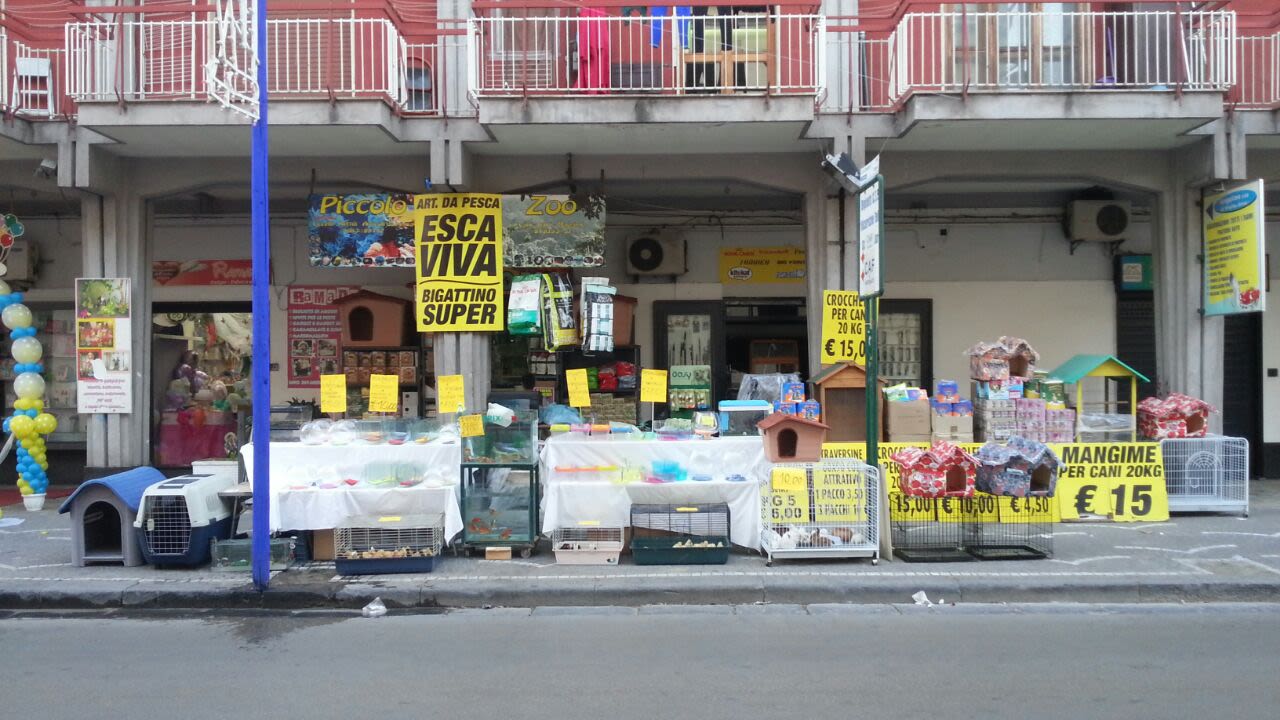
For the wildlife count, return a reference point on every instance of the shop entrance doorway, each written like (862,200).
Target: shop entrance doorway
(200,353)
(764,336)
(1242,383)
(692,333)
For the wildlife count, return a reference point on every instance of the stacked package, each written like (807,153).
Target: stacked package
(1059,426)
(793,402)
(1030,418)
(952,414)
(997,420)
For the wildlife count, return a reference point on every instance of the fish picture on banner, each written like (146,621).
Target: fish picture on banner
(369,230)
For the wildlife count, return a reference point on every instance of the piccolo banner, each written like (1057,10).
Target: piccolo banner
(459,262)
(369,230)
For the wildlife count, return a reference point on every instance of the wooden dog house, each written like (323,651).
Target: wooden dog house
(842,393)
(791,438)
(373,320)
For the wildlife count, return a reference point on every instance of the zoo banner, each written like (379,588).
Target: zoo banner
(104,339)
(1122,482)
(459,269)
(553,231)
(370,230)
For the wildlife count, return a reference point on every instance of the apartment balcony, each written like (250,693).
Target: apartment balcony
(1258,84)
(30,79)
(1077,73)
(590,68)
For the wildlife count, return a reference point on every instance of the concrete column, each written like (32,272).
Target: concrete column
(115,235)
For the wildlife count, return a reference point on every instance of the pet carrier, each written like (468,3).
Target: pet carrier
(1209,474)
(680,534)
(587,544)
(831,511)
(388,544)
(181,516)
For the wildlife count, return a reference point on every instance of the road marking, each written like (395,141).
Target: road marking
(1192,551)
(1082,561)
(1242,534)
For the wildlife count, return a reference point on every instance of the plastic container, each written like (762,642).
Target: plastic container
(387,566)
(371,432)
(740,417)
(235,555)
(33,502)
(663,551)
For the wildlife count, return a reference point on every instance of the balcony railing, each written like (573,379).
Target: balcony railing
(1258,84)
(30,80)
(334,58)
(959,51)
(599,55)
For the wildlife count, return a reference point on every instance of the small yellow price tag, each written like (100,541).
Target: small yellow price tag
(789,495)
(333,393)
(471,425)
(579,394)
(686,509)
(384,393)
(451,396)
(589,523)
(653,386)
(389,518)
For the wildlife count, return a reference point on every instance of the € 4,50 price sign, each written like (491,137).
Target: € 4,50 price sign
(844,328)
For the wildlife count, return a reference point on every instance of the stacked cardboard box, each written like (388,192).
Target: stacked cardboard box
(952,415)
(908,421)
(1030,419)
(1060,425)
(997,420)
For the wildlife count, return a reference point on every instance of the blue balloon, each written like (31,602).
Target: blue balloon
(37,368)
(17,297)
(6,424)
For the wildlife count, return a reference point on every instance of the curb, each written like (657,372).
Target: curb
(73,595)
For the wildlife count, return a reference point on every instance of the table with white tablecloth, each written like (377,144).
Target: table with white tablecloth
(568,502)
(308,491)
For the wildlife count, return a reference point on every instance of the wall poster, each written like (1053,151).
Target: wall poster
(314,333)
(104,342)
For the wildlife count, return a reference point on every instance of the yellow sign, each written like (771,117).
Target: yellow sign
(451,395)
(389,518)
(1121,481)
(751,265)
(844,328)
(458,258)
(384,393)
(1234,251)
(589,523)
(839,496)
(789,495)
(653,385)
(579,394)
(471,425)
(333,393)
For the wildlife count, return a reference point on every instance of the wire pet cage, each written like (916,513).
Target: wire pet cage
(587,545)
(919,532)
(1024,530)
(1209,474)
(680,534)
(390,544)
(841,518)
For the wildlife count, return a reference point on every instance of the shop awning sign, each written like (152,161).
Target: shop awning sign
(459,262)
(1234,251)
(368,230)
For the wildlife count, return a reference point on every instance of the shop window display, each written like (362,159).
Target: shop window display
(201,363)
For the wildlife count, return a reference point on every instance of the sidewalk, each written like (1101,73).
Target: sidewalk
(1191,558)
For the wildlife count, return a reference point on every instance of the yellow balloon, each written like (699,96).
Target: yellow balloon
(21,404)
(46,423)
(36,404)
(21,426)
(24,491)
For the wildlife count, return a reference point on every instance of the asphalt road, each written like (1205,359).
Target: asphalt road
(783,662)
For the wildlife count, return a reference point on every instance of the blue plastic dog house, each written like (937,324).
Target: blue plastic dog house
(102,516)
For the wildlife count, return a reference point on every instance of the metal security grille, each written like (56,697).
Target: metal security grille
(1207,474)
(167,525)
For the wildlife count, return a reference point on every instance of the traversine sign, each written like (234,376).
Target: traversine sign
(458,242)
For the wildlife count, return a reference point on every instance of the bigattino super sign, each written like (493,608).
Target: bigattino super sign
(458,246)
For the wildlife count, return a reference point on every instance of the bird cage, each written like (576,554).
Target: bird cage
(680,534)
(373,545)
(587,544)
(1209,474)
(1023,531)
(839,505)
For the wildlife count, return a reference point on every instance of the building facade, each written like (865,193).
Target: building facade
(125,144)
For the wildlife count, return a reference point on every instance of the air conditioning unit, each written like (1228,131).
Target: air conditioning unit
(657,253)
(21,263)
(1098,220)
(179,517)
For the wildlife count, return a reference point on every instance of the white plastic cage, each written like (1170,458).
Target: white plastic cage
(842,519)
(1209,474)
(587,545)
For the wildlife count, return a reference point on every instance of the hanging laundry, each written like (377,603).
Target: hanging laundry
(656,28)
(593,51)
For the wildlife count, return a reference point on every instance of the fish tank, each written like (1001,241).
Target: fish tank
(508,443)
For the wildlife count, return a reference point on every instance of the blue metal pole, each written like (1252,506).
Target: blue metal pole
(261,380)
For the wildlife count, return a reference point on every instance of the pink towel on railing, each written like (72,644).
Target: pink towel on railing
(593,51)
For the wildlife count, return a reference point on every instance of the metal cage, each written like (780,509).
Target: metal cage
(693,534)
(918,533)
(842,519)
(1209,474)
(587,545)
(389,544)
(1024,530)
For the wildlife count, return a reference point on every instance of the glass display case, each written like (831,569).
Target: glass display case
(514,443)
(500,506)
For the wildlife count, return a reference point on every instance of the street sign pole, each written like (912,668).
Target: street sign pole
(261,367)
